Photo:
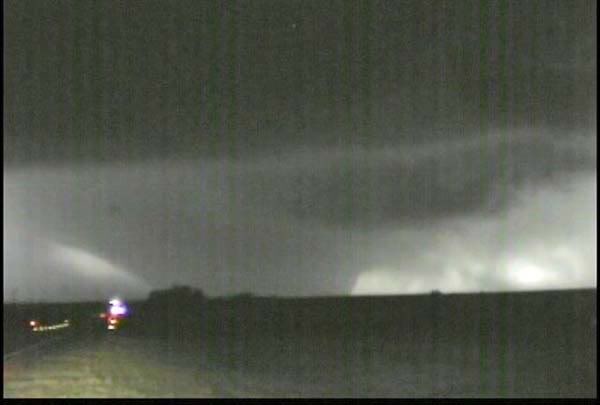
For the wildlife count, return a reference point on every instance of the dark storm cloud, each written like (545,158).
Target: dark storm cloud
(233,225)
(105,81)
(476,176)
(298,148)
(188,222)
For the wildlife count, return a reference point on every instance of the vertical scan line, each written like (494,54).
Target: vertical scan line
(231,130)
(434,360)
(213,128)
(571,341)
(76,96)
(363,352)
(118,125)
(61,100)
(534,66)
(503,107)
(33,68)
(98,93)
(232,80)
(502,347)
(167,131)
(304,101)
(335,78)
(570,37)
(366,94)
(86,116)
(348,61)
(214,79)
(484,115)
(436,65)
(346,66)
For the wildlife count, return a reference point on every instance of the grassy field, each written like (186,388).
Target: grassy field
(518,344)
(109,366)
(540,344)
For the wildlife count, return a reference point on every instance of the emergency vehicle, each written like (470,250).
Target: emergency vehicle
(116,313)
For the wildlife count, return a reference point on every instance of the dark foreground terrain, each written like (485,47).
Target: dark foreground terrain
(540,344)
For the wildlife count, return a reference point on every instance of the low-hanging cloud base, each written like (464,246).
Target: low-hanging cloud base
(503,212)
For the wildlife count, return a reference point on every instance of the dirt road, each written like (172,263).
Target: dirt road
(110,366)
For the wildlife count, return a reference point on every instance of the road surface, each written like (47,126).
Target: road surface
(108,366)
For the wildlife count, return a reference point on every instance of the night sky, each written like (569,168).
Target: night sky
(298,147)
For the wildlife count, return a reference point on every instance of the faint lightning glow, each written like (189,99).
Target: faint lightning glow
(377,282)
(527,274)
(545,240)
(389,281)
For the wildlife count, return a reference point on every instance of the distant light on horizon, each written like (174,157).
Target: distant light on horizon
(528,274)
